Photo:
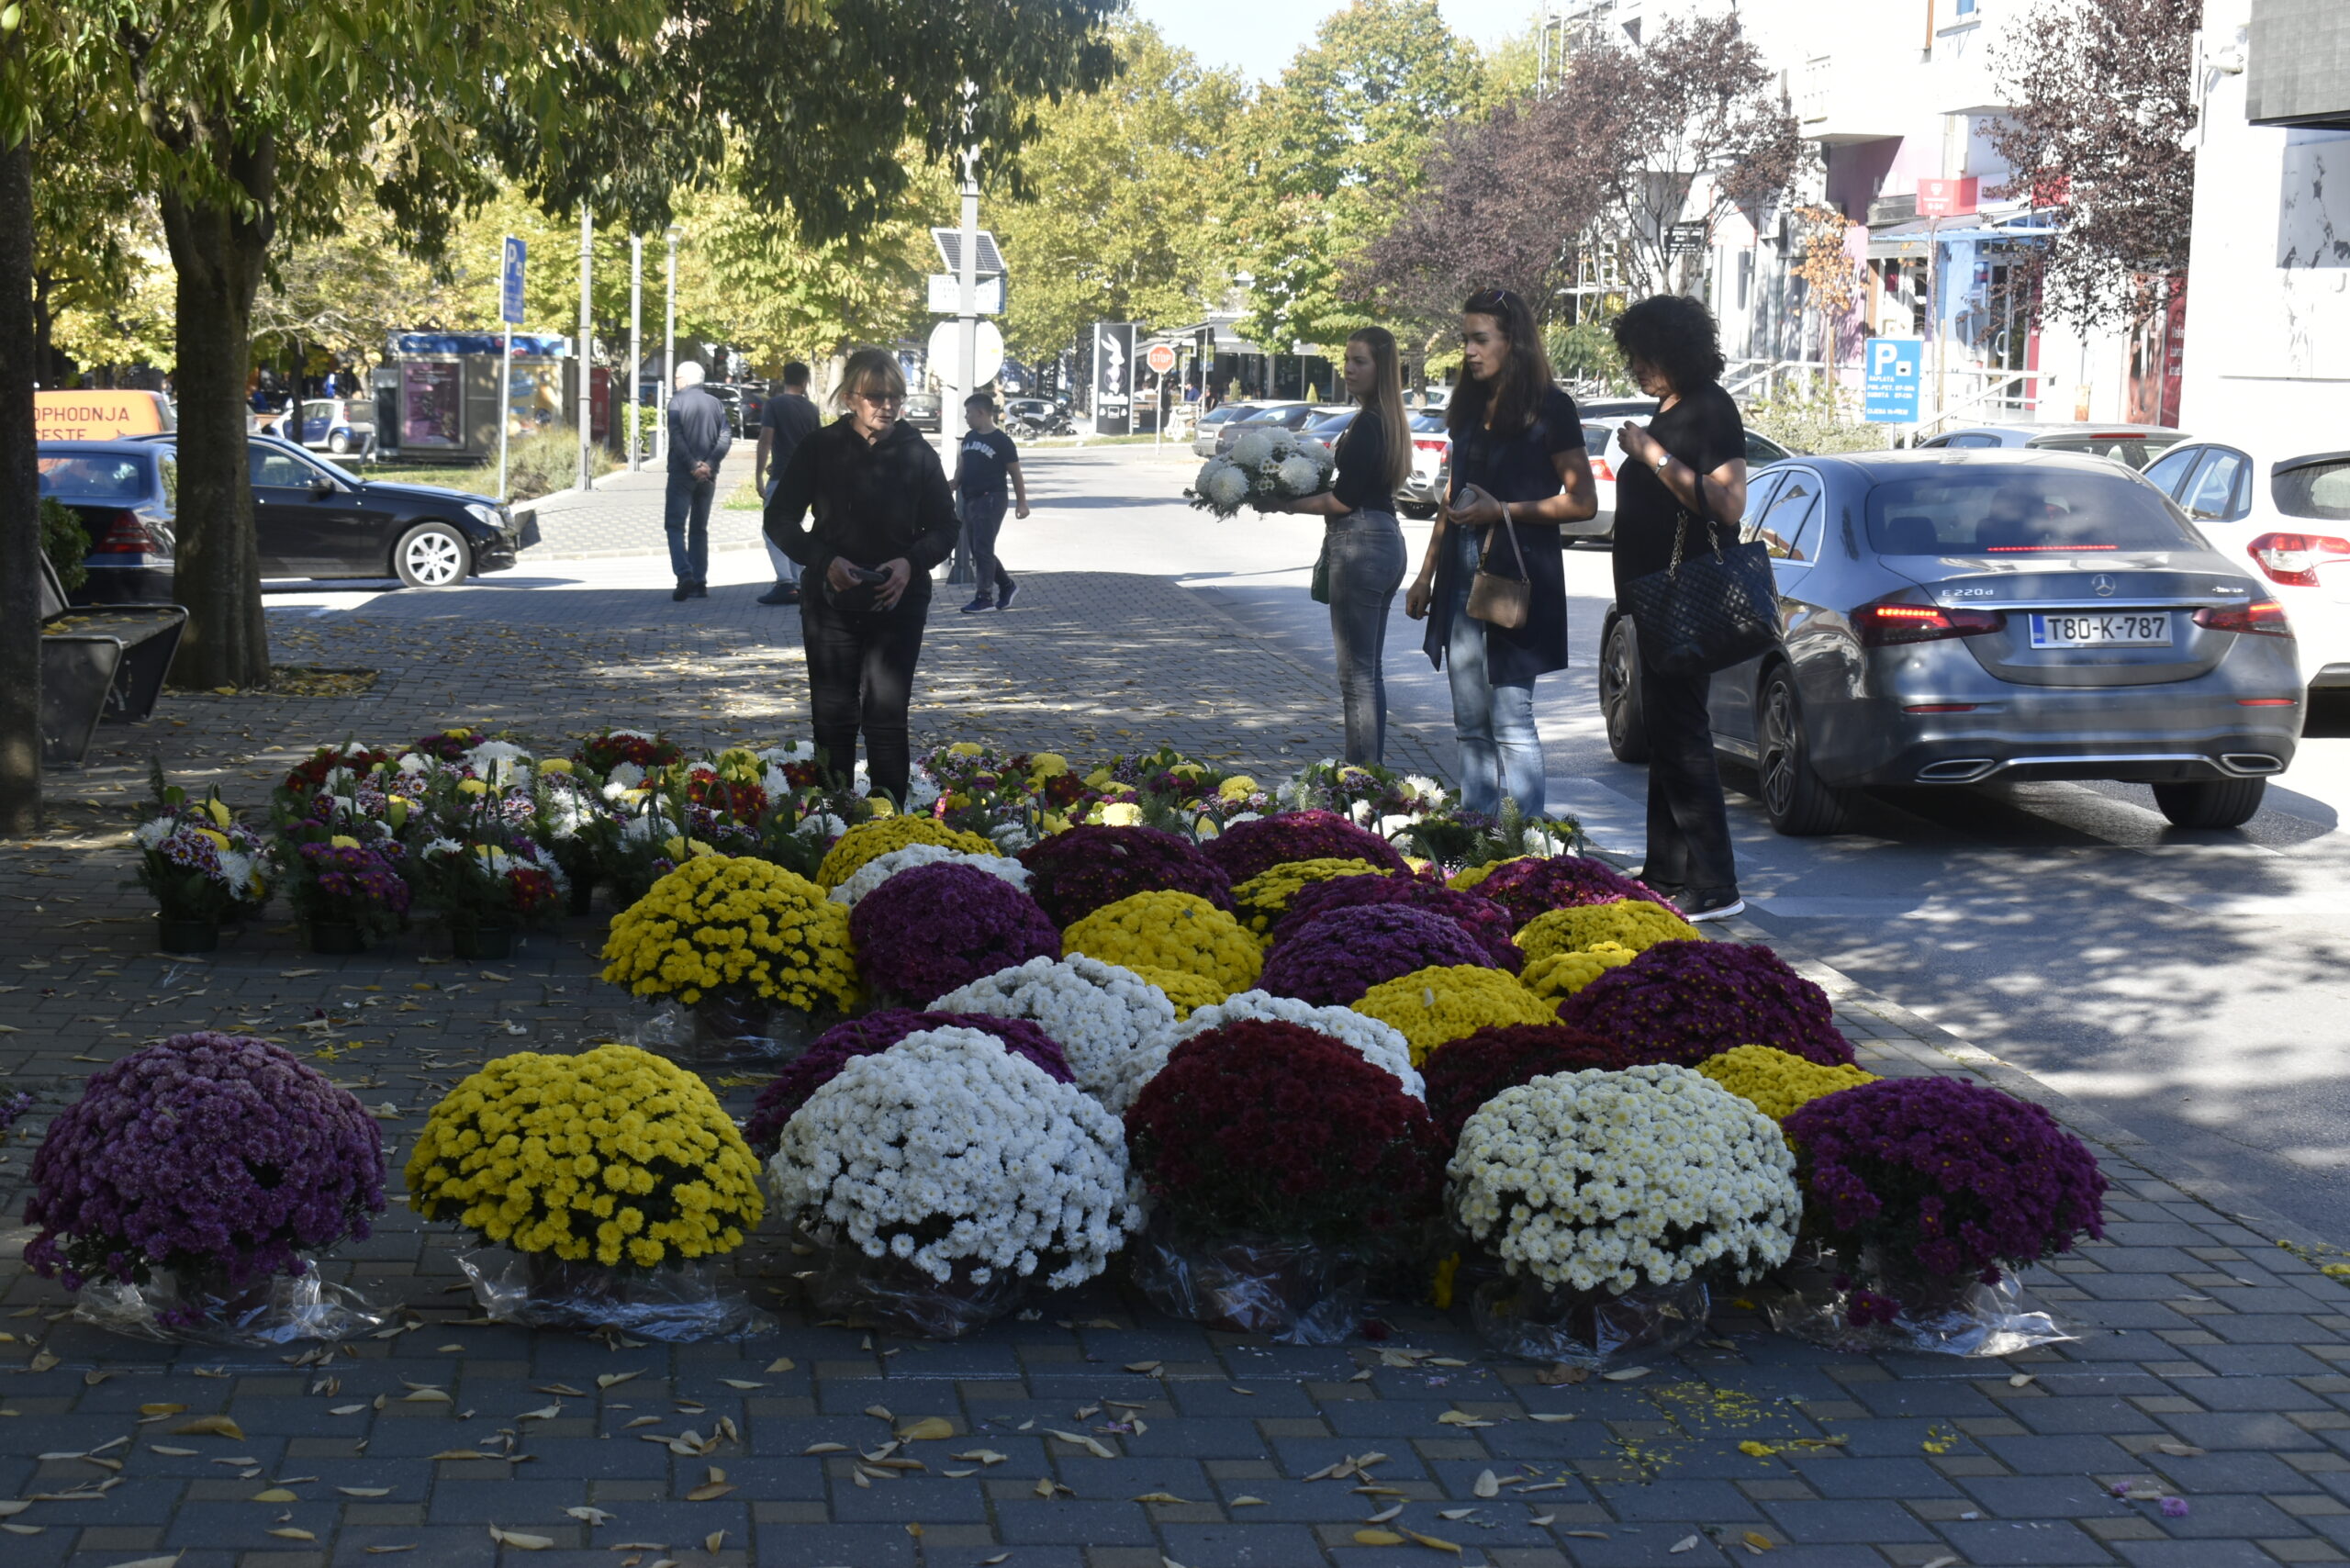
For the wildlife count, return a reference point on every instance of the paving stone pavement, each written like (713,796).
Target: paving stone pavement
(621,515)
(2209,1362)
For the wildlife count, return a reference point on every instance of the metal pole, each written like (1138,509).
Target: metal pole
(587,340)
(1934,309)
(635,341)
(966,344)
(504,401)
(668,342)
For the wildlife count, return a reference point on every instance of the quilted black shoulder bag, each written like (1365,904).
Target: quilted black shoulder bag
(1707,612)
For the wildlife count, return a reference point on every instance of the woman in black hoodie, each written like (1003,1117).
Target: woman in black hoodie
(883,518)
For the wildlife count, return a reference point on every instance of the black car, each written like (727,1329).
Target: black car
(311,518)
(922,411)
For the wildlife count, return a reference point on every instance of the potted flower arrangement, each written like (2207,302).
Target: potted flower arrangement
(1561,975)
(1274,1159)
(1075,872)
(1338,956)
(881,867)
(869,840)
(1701,997)
(1927,1194)
(1776,1083)
(1463,1074)
(1181,933)
(567,813)
(1448,1001)
(1535,884)
(344,867)
(928,930)
(450,746)
(1472,843)
(1388,803)
(627,755)
(874,1033)
(1675,1181)
(1098,1014)
(942,1175)
(1262,900)
(1245,848)
(1480,917)
(1635,923)
(614,1176)
(202,866)
(734,940)
(327,767)
(196,1181)
(484,888)
(1379,1045)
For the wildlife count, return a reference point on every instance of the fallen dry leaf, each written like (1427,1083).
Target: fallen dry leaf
(843,1448)
(1156,1498)
(1488,1485)
(1378,1537)
(1449,1514)
(982,1456)
(589,1515)
(613,1379)
(543,1413)
(879,1412)
(1687,1543)
(1460,1419)
(713,1541)
(782,1364)
(1434,1544)
(365,1491)
(209,1426)
(1549,1415)
(161,1409)
(1246,1501)
(2179,1451)
(426,1397)
(346,1409)
(929,1428)
(288,1532)
(1146,1368)
(520,1542)
(275,1495)
(387,1551)
(1625,1375)
(176,1453)
(741,1383)
(709,1492)
(1757,1543)
(2018,1380)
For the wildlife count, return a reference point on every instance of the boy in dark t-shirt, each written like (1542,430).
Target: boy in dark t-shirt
(985,460)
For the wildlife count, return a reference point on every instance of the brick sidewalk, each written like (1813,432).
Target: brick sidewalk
(2208,1359)
(621,516)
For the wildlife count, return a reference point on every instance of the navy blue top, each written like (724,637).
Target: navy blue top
(1512,467)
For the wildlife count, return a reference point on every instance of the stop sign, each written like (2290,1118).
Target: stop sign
(1160,358)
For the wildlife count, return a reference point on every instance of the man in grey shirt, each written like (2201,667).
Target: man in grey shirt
(699,438)
(790,419)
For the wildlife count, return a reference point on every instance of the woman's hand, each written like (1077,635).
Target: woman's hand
(902,572)
(1640,446)
(1475,508)
(836,574)
(1417,597)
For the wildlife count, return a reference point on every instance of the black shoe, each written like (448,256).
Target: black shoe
(782,593)
(977,605)
(1003,599)
(1713,903)
(701,590)
(682,593)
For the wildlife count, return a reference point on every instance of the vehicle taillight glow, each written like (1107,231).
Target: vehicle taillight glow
(1600,470)
(2267,702)
(1886,623)
(1437,445)
(126,534)
(2293,559)
(2264,616)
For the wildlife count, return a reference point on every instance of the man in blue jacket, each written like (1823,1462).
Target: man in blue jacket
(700,435)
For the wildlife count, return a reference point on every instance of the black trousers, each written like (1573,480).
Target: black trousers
(861,676)
(1688,824)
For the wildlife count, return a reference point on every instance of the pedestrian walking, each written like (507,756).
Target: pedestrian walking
(1363,544)
(1493,584)
(700,435)
(1683,478)
(985,460)
(790,418)
(882,517)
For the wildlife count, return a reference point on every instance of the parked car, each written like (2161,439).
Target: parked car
(311,518)
(1289,417)
(1957,616)
(922,411)
(2133,446)
(1204,434)
(1327,428)
(2294,527)
(1025,418)
(1431,457)
(1603,422)
(341,425)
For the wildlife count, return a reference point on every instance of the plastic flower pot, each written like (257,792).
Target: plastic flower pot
(1871,1305)
(720,1020)
(199,1305)
(336,938)
(1588,1329)
(1295,1291)
(539,1290)
(482,941)
(891,1293)
(187,936)
(583,890)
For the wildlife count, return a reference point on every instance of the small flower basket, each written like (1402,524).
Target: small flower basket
(202,866)
(1098,1014)
(1591,1185)
(933,929)
(193,1188)
(1694,1000)
(1277,1162)
(1181,932)
(1077,871)
(944,1174)
(1336,959)
(611,1180)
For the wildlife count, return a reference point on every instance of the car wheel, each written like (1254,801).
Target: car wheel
(1619,693)
(432,555)
(2222,802)
(338,444)
(1794,797)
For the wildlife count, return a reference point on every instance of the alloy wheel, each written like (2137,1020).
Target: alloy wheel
(434,559)
(1780,739)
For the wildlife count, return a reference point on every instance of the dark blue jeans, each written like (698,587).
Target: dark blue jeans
(982,520)
(1366,563)
(688,498)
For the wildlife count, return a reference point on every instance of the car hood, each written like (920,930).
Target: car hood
(429,492)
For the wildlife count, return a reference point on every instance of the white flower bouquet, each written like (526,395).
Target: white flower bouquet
(1098,1014)
(1381,1044)
(1264,468)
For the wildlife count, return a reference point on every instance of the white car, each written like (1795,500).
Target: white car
(2132,446)
(1601,422)
(2289,515)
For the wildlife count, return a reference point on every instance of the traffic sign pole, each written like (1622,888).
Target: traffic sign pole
(509,314)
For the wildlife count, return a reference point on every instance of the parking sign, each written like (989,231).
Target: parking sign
(509,299)
(1895,366)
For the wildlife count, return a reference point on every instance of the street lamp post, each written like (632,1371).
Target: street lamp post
(669,340)
(635,340)
(587,340)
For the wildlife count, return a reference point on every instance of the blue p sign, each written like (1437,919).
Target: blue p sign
(509,299)
(1893,370)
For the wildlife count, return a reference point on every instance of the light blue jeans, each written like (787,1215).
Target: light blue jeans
(1493,726)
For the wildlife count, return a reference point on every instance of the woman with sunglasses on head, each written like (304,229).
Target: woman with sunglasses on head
(883,517)
(1362,539)
(1518,472)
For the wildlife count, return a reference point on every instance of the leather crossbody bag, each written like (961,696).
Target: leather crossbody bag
(1496,600)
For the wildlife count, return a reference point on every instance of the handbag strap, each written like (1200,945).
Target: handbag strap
(1518,550)
(1704,517)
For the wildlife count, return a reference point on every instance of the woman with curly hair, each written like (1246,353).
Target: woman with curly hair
(1685,475)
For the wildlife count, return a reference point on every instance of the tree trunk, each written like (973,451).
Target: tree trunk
(19,506)
(219,256)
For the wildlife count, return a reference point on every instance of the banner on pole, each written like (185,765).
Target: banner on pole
(1114,377)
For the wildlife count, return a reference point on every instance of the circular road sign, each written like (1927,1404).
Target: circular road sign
(947,355)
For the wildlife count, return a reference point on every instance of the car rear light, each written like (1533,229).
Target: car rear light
(1429,446)
(1888,622)
(2264,616)
(1601,471)
(2293,559)
(2267,702)
(126,534)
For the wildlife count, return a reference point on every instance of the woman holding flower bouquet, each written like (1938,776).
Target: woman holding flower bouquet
(1493,586)
(1362,543)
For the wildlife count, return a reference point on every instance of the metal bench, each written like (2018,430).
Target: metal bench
(98,662)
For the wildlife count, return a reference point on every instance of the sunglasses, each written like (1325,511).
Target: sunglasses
(1491,301)
(880,399)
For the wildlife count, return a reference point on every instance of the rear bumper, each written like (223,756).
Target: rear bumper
(2159,738)
(126,585)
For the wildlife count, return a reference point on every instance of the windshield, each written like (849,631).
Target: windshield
(2016,510)
(96,477)
(2132,449)
(2319,490)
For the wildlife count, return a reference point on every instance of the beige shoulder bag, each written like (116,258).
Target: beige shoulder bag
(1496,600)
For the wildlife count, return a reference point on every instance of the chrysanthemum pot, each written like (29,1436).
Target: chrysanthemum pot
(1594,1330)
(482,941)
(199,1305)
(187,936)
(890,1293)
(539,1290)
(1869,1304)
(1296,1291)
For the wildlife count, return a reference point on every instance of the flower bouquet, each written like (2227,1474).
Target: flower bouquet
(1472,843)
(568,814)
(1388,803)
(1075,872)
(450,746)
(1635,923)
(346,886)
(1265,469)
(1697,998)
(1534,885)
(927,931)
(614,1176)
(734,939)
(1178,932)
(195,1181)
(484,888)
(629,755)
(1610,1199)
(1381,1047)
(1274,1158)
(1338,956)
(1484,919)
(1927,1194)
(1448,1001)
(941,1175)
(1245,848)
(872,1033)
(328,767)
(202,866)
(1098,1014)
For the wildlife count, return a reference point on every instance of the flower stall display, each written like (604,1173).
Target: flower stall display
(1611,1200)
(1562,974)
(1636,923)
(1379,1045)
(1246,848)
(735,939)
(201,864)
(1170,931)
(1465,1073)
(1702,998)
(567,812)
(874,1033)
(869,840)
(483,890)
(1077,871)
(611,1178)
(628,755)
(1098,1014)
(927,931)
(1472,844)
(1336,959)
(1927,1195)
(193,1187)
(941,1176)
(344,872)
(1263,470)
(1380,799)
(1775,1082)
(1448,1001)
(1262,900)
(1481,918)
(881,867)
(1274,1161)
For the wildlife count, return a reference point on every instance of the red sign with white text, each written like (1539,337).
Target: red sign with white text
(1947,198)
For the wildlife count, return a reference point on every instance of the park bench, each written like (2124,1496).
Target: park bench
(100,661)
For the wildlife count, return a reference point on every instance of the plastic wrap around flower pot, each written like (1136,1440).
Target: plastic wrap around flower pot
(1873,1309)
(1524,1317)
(890,1293)
(540,1291)
(719,1033)
(177,1306)
(1299,1293)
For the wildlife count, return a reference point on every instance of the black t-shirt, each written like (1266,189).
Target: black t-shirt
(1705,432)
(792,418)
(1362,464)
(980,470)
(1516,467)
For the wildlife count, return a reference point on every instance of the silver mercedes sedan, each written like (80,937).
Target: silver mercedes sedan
(1956,616)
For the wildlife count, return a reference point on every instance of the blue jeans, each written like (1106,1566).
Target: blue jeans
(982,522)
(1366,563)
(787,570)
(689,552)
(1493,726)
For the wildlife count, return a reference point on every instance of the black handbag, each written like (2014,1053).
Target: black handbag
(1708,612)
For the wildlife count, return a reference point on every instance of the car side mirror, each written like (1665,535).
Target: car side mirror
(321,488)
